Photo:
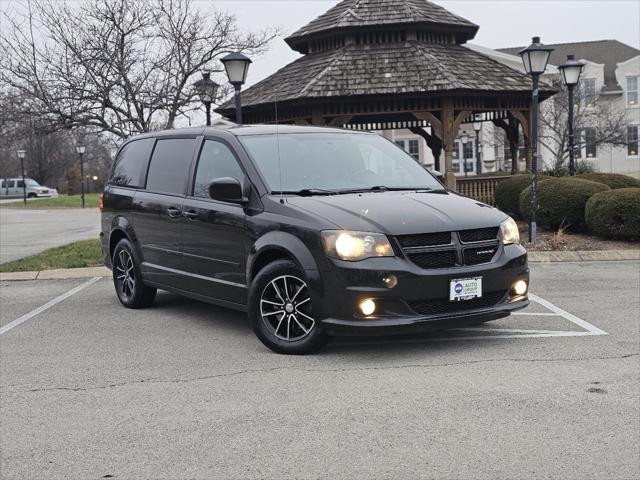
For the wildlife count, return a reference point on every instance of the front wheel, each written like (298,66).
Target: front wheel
(281,313)
(127,280)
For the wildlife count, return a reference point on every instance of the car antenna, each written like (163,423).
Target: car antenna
(275,104)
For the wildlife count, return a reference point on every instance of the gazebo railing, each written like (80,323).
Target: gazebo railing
(479,188)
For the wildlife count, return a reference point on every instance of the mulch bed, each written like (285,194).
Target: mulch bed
(548,241)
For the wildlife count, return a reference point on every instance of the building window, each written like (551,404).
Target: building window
(456,150)
(456,167)
(589,90)
(467,149)
(590,142)
(632,140)
(632,90)
(413,149)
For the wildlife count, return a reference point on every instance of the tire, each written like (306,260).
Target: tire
(281,315)
(127,280)
(31,195)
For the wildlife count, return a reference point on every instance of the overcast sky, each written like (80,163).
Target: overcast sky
(503,23)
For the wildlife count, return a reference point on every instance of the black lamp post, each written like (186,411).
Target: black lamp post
(21,155)
(464,139)
(80,148)
(477,126)
(570,73)
(237,67)
(207,90)
(535,58)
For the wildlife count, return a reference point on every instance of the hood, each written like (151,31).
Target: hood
(401,213)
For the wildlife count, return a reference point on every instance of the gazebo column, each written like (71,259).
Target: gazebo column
(316,116)
(450,127)
(434,139)
(524,117)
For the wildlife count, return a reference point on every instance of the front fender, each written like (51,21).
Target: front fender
(286,243)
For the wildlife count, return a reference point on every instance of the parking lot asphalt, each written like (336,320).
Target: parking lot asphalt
(22,230)
(185,390)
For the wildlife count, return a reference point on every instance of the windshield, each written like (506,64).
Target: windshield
(32,183)
(334,162)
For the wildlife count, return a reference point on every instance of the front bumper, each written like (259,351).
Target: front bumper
(420,300)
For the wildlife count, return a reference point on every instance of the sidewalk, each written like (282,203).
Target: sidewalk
(534,257)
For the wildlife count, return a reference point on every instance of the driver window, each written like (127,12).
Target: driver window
(216,161)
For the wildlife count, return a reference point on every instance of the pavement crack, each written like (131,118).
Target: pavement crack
(316,370)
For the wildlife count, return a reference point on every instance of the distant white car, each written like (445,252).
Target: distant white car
(14,188)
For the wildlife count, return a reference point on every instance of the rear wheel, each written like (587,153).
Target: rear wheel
(127,280)
(281,312)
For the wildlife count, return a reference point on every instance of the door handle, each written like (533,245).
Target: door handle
(191,215)
(173,212)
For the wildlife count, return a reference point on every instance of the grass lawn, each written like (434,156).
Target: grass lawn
(85,253)
(91,200)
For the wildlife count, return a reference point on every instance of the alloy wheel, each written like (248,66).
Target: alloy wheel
(285,308)
(125,274)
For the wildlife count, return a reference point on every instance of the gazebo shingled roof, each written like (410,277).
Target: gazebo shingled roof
(378,64)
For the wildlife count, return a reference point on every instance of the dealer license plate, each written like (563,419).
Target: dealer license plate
(465,289)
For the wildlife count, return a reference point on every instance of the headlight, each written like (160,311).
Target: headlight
(353,246)
(509,231)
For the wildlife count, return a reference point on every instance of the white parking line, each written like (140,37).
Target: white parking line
(568,316)
(47,305)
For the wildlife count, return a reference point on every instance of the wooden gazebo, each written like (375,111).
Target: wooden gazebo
(385,64)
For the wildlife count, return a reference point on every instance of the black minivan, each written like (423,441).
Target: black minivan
(313,231)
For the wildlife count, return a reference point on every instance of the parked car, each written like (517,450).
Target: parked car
(313,231)
(14,188)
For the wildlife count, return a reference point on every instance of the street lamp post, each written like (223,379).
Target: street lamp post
(237,67)
(207,90)
(80,148)
(21,155)
(535,58)
(477,126)
(570,73)
(464,139)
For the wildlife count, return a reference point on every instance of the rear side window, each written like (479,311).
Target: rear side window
(129,167)
(8,183)
(169,166)
(216,161)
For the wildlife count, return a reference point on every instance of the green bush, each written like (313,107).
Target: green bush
(507,194)
(615,213)
(561,201)
(612,180)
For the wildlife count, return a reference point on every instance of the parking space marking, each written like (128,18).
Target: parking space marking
(568,316)
(47,305)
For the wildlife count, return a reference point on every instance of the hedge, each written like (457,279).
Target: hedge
(561,201)
(615,214)
(612,180)
(507,194)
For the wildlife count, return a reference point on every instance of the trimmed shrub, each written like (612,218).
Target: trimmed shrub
(561,201)
(615,214)
(507,194)
(612,180)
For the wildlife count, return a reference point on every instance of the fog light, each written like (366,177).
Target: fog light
(520,287)
(367,307)
(390,281)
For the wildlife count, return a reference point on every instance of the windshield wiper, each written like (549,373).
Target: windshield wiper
(384,188)
(305,192)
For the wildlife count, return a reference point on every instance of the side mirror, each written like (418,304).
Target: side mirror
(438,175)
(227,189)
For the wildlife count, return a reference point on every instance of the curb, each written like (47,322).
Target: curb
(584,256)
(534,257)
(57,274)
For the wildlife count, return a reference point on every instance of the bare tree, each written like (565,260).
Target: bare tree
(117,66)
(607,127)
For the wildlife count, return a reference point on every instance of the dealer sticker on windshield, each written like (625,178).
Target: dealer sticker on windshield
(465,289)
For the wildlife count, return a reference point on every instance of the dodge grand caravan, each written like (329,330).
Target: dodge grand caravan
(312,231)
